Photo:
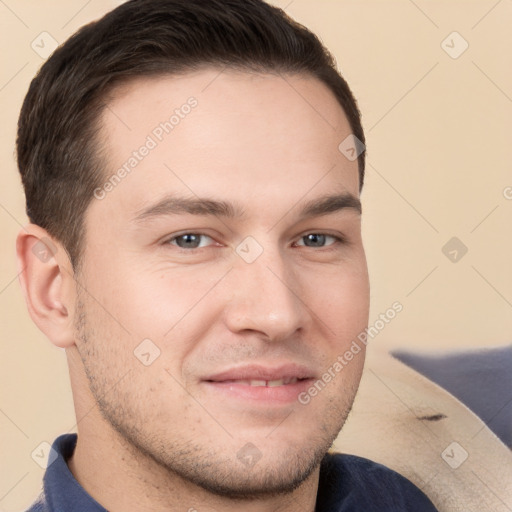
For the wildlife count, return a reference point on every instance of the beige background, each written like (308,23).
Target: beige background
(439,164)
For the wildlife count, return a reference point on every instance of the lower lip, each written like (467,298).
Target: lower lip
(279,394)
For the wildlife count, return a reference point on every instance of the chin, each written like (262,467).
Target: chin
(254,478)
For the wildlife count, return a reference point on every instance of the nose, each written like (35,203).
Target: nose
(266,297)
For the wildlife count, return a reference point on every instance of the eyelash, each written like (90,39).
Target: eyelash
(338,240)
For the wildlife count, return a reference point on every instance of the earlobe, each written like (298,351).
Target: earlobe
(44,269)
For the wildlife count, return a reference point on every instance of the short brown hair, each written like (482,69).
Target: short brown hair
(58,151)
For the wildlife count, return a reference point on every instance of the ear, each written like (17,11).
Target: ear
(46,279)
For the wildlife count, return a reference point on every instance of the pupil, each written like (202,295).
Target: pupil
(316,239)
(190,238)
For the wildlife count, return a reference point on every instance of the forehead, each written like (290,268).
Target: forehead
(255,138)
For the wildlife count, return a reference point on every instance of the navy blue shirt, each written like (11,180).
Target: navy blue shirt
(347,484)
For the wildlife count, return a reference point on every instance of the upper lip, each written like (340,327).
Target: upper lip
(262,372)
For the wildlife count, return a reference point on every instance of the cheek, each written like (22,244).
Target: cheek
(166,302)
(146,301)
(341,300)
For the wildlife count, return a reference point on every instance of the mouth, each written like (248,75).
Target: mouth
(263,384)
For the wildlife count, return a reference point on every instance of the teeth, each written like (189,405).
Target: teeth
(257,383)
(270,383)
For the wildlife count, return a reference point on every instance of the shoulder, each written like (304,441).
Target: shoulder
(349,483)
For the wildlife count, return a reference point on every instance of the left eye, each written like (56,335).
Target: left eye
(318,239)
(188,240)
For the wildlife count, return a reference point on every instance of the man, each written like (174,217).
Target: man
(193,174)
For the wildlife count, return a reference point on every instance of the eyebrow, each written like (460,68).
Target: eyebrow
(174,205)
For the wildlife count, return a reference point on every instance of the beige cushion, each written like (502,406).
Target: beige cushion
(410,424)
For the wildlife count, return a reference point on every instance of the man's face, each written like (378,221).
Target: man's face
(243,312)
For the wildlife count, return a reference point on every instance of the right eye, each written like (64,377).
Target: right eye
(188,240)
